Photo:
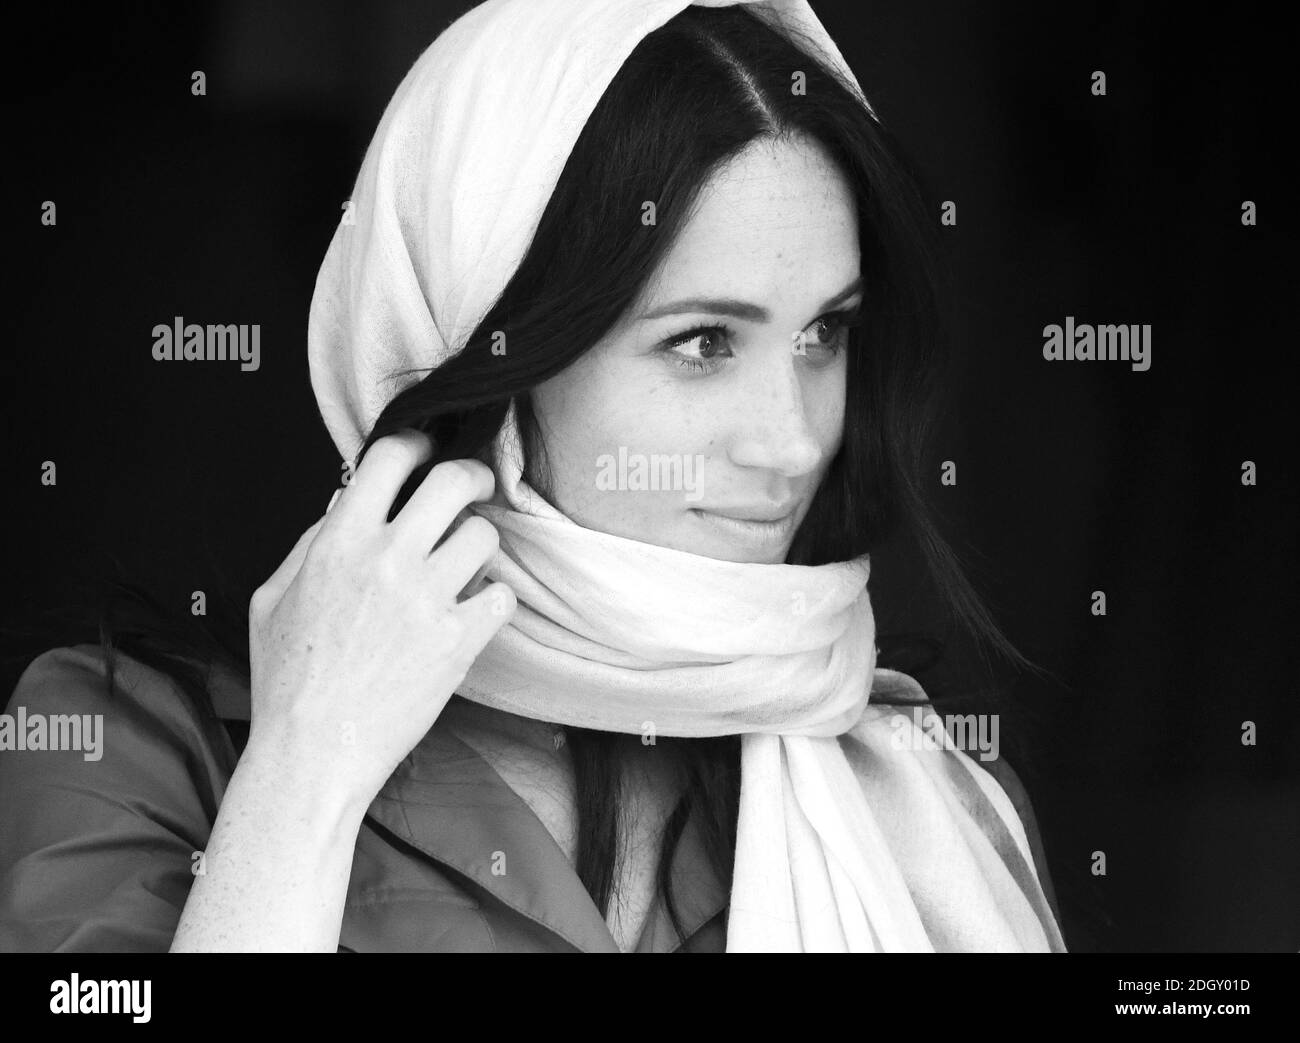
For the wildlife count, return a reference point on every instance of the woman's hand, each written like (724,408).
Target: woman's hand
(357,641)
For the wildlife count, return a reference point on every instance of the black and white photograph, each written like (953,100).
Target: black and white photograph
(642,476)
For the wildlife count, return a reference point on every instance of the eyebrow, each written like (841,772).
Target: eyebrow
(740,309)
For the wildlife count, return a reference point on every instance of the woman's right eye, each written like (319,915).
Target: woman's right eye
(708,339)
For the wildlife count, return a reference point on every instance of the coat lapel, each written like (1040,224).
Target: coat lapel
(447,802)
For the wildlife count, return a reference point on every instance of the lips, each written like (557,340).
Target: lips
(751,514)
(765,533)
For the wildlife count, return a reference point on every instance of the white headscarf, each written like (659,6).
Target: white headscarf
(852,835)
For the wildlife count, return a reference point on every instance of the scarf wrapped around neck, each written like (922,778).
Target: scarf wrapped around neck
(855,833)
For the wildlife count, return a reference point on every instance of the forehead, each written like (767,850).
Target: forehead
(778,220)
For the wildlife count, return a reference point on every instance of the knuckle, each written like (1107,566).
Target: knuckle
(477,469)
(326,549)
(408,439)
(452,477)
(481,532)
(405,447)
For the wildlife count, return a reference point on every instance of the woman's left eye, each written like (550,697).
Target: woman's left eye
(836,327)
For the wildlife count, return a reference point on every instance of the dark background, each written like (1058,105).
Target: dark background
(1073,476)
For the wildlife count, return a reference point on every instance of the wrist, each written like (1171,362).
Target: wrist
(308,789)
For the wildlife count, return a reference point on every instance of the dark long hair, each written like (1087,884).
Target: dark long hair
(692,95)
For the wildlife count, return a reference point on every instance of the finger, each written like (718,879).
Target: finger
(486,613)
(379,477)
(445,491)
(463,555)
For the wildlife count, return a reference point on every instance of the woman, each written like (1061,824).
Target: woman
(627,330)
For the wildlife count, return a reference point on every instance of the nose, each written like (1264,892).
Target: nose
(775,433)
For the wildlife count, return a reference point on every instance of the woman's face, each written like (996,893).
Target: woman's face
(667,436)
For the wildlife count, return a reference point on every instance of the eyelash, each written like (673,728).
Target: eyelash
(842,321)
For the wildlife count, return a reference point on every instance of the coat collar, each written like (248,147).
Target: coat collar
(447,802)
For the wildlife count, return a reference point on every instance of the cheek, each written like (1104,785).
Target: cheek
(572,424)
(593,414)
(827,410)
